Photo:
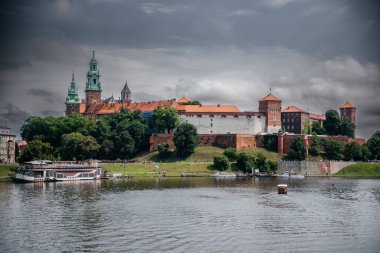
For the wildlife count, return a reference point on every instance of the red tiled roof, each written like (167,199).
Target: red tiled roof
(142,106)
(207,108)
(270,97)
(183,100)
(293,109)
(317,117)
(347,105)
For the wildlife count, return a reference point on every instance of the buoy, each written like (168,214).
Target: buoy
(282,189)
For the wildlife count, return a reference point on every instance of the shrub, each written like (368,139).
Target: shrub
(245,162)
(163,149)
(221,162)
(231,154)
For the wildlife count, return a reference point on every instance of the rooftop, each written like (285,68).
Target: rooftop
(347,105)
(270,97)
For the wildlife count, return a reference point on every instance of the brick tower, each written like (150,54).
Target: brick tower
(271,106)
(72,99)
(93,85)
(348,111)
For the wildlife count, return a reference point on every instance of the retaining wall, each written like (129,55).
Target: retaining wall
(313,167)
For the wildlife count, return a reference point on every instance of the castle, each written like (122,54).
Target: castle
(208,119)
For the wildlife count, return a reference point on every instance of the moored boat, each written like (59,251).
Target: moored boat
(48,171)
(284,175)
(223,174)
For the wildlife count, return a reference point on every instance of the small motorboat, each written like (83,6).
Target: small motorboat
(284,175)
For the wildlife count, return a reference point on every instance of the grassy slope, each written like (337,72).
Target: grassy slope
(4,172)
(360,169)
(199,162)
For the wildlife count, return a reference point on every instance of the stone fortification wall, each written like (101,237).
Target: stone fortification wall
(287,139)
(238,141)
(313,167)
(225,124)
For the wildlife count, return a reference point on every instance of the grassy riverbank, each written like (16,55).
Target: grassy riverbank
(201,162)
(4,172)
(360,170)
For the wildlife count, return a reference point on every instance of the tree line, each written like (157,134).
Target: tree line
(335,150)
(332,125)
(120,135)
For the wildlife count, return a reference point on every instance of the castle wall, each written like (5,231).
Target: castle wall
(238,141)
(225,124)
(288,139)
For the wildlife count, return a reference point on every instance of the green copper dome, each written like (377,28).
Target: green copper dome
(72,94)
(93,82)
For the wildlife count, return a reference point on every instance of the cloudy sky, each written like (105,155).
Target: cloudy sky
(314,54)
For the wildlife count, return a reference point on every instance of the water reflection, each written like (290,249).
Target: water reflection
(191,215)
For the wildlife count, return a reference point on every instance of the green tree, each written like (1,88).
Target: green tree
(270,142)
(317,128)
(165,119)
(315,146)
(77,146)
(273,166)
(124,145)
(347,128)
(373,145)
(230,153)
(37,150)
(366,154)
(221,162)
(333,149)
(297,150)
(163,150)
(307,129)
(352,151)
(185,139)
(332,124)
(261,163)
(106,150)
(245,162)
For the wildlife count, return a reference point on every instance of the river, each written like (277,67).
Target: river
(191,215)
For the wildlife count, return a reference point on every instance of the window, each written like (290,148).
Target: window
(94,81)
(199,116)
(236,116)
(224,116)
(211,124)
(211,116)
(72,109)
(248,116)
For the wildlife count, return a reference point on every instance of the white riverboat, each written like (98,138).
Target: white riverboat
(223,174)
(296,176)
(48,171)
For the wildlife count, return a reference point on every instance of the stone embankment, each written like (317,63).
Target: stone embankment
(313,167)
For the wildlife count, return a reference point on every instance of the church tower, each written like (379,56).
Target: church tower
(93,85)
(126,94)
(72,99)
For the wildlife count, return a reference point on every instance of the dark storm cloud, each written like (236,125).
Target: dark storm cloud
(11,116)
(45,93)
(314,54)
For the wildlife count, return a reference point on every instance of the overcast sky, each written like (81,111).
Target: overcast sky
(314,54)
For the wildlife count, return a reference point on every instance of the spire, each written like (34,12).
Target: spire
(93,54)
(126,88)
(72,93)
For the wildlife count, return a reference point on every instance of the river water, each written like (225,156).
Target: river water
(191,215)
